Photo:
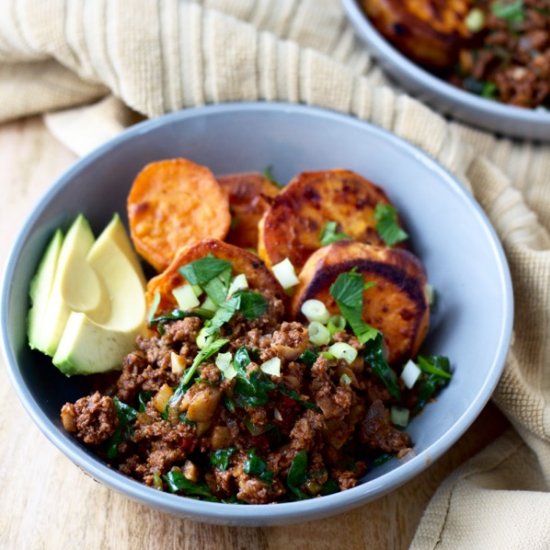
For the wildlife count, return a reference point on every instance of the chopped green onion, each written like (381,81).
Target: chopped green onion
(153,307)
(318,334)
(400,416)
(286,275)
(475,20)
(345,379)
(209,305)
(335,324)
(297,474)
(185,297)
(315,310)
(238,283)
(344,351)
(203,337)
(435,364)
(224,363)
(410,374)
(327,355)
(272,366)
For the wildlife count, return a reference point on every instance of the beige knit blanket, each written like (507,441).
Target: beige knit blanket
(157,56)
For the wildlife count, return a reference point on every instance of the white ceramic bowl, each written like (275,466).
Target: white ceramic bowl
(451,234)
(450,100)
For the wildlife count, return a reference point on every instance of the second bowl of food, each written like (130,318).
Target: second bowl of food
(485,62)
(282,357)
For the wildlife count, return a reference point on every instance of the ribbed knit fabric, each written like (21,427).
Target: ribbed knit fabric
(158,56)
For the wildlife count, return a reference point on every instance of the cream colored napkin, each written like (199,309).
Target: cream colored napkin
(157,56)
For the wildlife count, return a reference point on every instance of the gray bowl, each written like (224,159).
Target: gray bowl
(451,234)
(449,100)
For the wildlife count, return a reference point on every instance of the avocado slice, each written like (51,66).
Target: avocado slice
(75,286)
(90,342)
(40,291)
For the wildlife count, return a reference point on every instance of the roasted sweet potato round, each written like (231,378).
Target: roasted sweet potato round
(430,32)
(174,203)
(249,197)
(292,226)
(258,276)
(397,305)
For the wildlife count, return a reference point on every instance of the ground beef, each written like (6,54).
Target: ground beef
(263,423)
(378,432)
(92,419)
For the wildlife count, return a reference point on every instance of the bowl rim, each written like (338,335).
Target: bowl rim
(256,514)
(383,48)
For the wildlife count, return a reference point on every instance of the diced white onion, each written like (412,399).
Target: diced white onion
(318,334)
(177,363)
(238,283)
(344,351)
(202,338)
(399,416)
(285,274)
(223,362)
(277,415)
(209,304)
(410,374)
(315,310)
(272,366)
(185,296)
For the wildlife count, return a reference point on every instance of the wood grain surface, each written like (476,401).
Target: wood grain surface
(48,503)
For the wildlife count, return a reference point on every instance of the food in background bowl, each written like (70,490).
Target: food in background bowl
(498,49)
(233,395)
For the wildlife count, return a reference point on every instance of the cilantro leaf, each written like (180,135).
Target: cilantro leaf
(143,399)
(374,356)
(308,357)
(387,224)
(257,466)
(217,287)
(512,12)
(203,270)
(296,476)
(220,458)
(347,290)
(330,235)
(251,304)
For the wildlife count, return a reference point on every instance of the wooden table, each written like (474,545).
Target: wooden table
(48,503)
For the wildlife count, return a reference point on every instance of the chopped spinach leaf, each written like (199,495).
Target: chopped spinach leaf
(204,270)
(374,356)
(185,420)
(253,390)
(329,488)
(512,12)
(178,483)
(330,235)
(382,459)
(220,458)
(178,314)
(308,357)
(293,394)
(229,404)
(143,399)
(268,175)
(387,224)
(257,466)
(297,476)
(205,353)
(126,416)
(435,364)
